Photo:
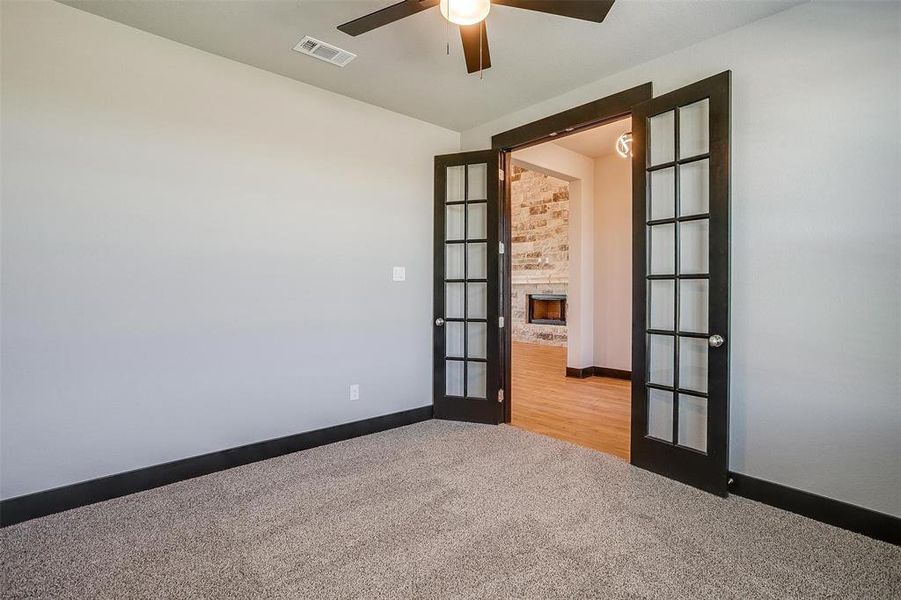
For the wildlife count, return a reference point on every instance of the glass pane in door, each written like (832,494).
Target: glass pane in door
(478,182)
(477,339)
(454,340)
(694,129)
(694,243)
(476,300)
(661,304)
(454,267)
(694,300)
(660,414)
(693,422)
(661,248)
(662,204)
(662,136)
(693,364)
(455,220)
(694,188)
(453,300)
(456,182)
(660,359)
(476,379)
(453,373)
(477,225)
(477,260)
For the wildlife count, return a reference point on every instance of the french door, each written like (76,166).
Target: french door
(467,326)
(680,337)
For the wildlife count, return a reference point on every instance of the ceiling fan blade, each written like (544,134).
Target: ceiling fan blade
(587,10)
(474,51)
(389,14)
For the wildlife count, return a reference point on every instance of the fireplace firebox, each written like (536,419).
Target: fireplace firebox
(547,309)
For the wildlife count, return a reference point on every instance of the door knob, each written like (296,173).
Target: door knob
(716,341)
(439,322)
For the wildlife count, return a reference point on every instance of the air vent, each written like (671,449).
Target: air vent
(323,51)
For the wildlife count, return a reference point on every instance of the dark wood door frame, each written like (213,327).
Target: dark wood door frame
(605,110)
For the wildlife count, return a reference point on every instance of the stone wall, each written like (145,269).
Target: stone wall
(540,249)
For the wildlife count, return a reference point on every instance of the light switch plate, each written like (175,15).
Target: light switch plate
(355,391)
(400,273)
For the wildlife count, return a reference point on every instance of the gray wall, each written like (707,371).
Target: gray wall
(196,254)
(816,240)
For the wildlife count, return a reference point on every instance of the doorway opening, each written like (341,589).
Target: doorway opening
(571,288)
(680,179)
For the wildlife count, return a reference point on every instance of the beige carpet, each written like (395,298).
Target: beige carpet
(439,510)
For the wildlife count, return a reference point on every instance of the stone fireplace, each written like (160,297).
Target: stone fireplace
(547,309)
(540,255)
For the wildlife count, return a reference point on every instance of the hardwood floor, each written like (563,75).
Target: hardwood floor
(592,412)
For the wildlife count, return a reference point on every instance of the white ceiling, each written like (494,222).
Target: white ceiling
(596,142)
(403,66)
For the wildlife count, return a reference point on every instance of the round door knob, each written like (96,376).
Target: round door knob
(716,341)
(439,322)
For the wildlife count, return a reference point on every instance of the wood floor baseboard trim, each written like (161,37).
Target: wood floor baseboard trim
(579,373)
(598,372)
(614,373)
(854,518)
(39,504)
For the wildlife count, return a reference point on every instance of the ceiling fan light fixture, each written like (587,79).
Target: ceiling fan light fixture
(465,12)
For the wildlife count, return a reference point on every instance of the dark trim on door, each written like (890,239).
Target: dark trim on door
(586,116)
(592,114)
(39,504)
(598,372)
(854,518)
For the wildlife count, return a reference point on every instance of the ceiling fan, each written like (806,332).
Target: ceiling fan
(470,16)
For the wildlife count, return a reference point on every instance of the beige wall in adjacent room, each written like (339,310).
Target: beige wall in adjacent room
(613,262)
